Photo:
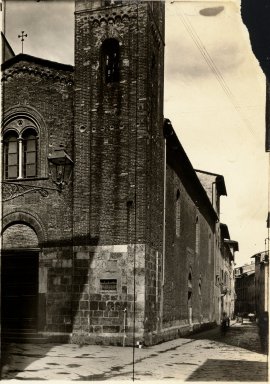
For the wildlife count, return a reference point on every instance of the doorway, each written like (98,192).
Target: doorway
(19,290)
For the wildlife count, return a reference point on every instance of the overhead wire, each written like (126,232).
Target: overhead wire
(211,64)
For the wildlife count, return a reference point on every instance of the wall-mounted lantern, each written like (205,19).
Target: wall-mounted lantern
(60,169)
(61,166)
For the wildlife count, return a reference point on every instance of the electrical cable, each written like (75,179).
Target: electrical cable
(209,61)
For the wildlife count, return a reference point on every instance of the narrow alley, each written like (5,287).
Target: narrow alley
(206,356)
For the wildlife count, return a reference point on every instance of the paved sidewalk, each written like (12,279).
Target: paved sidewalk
(203,357)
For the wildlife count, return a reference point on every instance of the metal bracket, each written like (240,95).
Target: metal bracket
(12,190)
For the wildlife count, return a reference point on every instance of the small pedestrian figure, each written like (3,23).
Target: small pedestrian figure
(225,322)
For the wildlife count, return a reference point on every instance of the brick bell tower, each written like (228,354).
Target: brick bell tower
(118,173)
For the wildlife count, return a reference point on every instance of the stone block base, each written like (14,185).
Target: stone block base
(117,339)
(176,332)
(105,339)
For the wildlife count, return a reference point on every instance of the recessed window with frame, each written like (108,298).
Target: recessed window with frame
(108,285)
(110,52)
(209,248)
(30,153)
(190,280)
(11,155)
(200,286)
(20,151)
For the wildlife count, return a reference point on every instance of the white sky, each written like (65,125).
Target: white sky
(214,96)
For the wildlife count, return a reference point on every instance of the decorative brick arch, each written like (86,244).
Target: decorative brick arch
(28,219)
(111,33)
(30,113)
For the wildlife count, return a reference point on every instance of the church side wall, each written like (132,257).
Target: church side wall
(189,260)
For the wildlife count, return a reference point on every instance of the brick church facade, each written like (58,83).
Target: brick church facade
(126,250)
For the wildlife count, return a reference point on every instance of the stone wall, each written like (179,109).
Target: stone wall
(104,279)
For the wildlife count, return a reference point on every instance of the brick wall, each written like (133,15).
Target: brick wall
(185,206)
(118,129)
(19,236)
(44,91)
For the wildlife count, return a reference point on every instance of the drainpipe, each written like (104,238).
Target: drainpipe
(124,328)
(163,237)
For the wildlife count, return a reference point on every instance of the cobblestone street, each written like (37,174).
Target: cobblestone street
(207,356)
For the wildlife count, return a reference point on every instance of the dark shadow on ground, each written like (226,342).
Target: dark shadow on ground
(15,358)
(239,335)
(230,370)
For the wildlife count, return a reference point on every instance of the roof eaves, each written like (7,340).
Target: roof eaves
(36,60)
(234,244)
(220,181)
(224,231)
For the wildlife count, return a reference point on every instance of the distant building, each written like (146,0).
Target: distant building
(261,282)
(245,289)
(225,248)
(228,248)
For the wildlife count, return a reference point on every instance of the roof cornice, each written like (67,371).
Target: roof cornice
(37,66)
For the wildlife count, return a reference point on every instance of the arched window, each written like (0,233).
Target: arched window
(189,301)
(197,237)
(30,153)
(110,58)
(11,155)
(209,248)
(190,280)
(20,152)
(200,286)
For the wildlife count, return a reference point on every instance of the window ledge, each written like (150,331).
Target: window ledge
(25,179)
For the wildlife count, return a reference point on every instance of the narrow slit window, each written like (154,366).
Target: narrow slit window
(197,240)
(178,214)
